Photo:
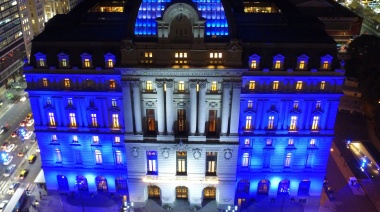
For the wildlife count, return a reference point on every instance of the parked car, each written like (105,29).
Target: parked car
(9,170)
(10,147)
(15,134)
(3,204)
(32,158)
(30,122)
(4,146)
(28,134)
(29,116)
(10,158)
(12,187)
(329,190)
(22,152)
(3,129)
(24,173)
(23,123)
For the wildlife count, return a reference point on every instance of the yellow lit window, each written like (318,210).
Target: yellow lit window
(299,85)
(51,119)
(295,104)
(94,120)
(42,62)
(270,122)
(248,122)
(110,63)
(277,64)
(216,55)
(301,65)
(112,84)
(148,57)
(250,104)
(149,85)
(293,123)
(67,83)
(251,85)
(180,56)
(75,139)
(45,82)
(73,121)
(181,86)
(275,85)
(64,62)
(314,126)
(214,86)
(148,54)
(87,63)
(322,86)
(253,64)
(115,120)
(325,65)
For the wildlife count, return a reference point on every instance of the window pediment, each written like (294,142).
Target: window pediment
(49,107)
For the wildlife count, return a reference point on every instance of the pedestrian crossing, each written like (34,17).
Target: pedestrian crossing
(3,186)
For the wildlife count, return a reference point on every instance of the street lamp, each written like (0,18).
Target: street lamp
(232,209)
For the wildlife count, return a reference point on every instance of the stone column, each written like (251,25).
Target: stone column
(225,107)
(169,107)
(137,106)
(82,107)
(160,107)
(60,119)
(127,107)
(193,107)
(202,108)
(235,108)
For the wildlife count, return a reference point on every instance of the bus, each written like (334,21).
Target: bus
(16,201)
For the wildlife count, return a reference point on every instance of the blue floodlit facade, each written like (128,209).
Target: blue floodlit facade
(236,119)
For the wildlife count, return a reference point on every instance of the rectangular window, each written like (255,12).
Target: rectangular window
(214,86)
(301,65)
(245,160)
(45,82)
(70,101)
(293,122)
(181,119)
(64,62)
(149,86)
(314,126)
(270,122)
(73,121)
(75,139)
(250,104)
(51,119)
(288,159)
(295,104)
(267,159)
(275,85)
(151,120)
(98,157)
(113,103)
(309,160)
(251,85)
(325,65)
(148,54)
(180,58)
(299,85)
(118,157)
(253,64)
(312,143)
(42,62)
(181,86)
(48,101)
(148,57)
(152,162)
(54,138)
(269,142)
(67,83)
(291,142)
(117,140)
(94,120)
(277,64)
(95,139)
(58,156)
(322,86)
(115,120)
(78,157)
(87,63)
(211,158)
(181,163)
(212,118)
(247,142)
(318,105)
(248,122)
(110,63)
(112,84)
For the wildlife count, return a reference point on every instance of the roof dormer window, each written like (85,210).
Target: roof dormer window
(326,62)
(254,62)
(86,60)
(302,62)
(40,60)
(109,60)
(63,60)
(278,62)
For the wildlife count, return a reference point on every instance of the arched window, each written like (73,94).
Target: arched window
(283,187)
(121,184)
(243,187)
(263,187)
(81,183)
(303,188)
(101,183)
(154,191)
(63,184)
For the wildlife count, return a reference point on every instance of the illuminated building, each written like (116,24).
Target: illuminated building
(158,101)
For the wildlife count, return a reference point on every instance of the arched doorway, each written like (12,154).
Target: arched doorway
(63,184)
(101,184)
(181,192)
(154,192)
(81,183)
(283,187)
(263,187)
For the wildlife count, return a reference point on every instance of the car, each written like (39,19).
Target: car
(4,146)
(10,147)
(12,187)
(24,173)
(29,116)
(3,204)
(9,170)
(14,134)
(23,123)
(3,129)
(30,122)
(32,158)
(28,134)
(22,152)
(7,162)
(328,189)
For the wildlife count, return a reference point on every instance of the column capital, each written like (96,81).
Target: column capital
(227,85)
(193,84)
(160,83)
(126,83)
(236,85)
(202,84)
(135,84)
(169,83)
